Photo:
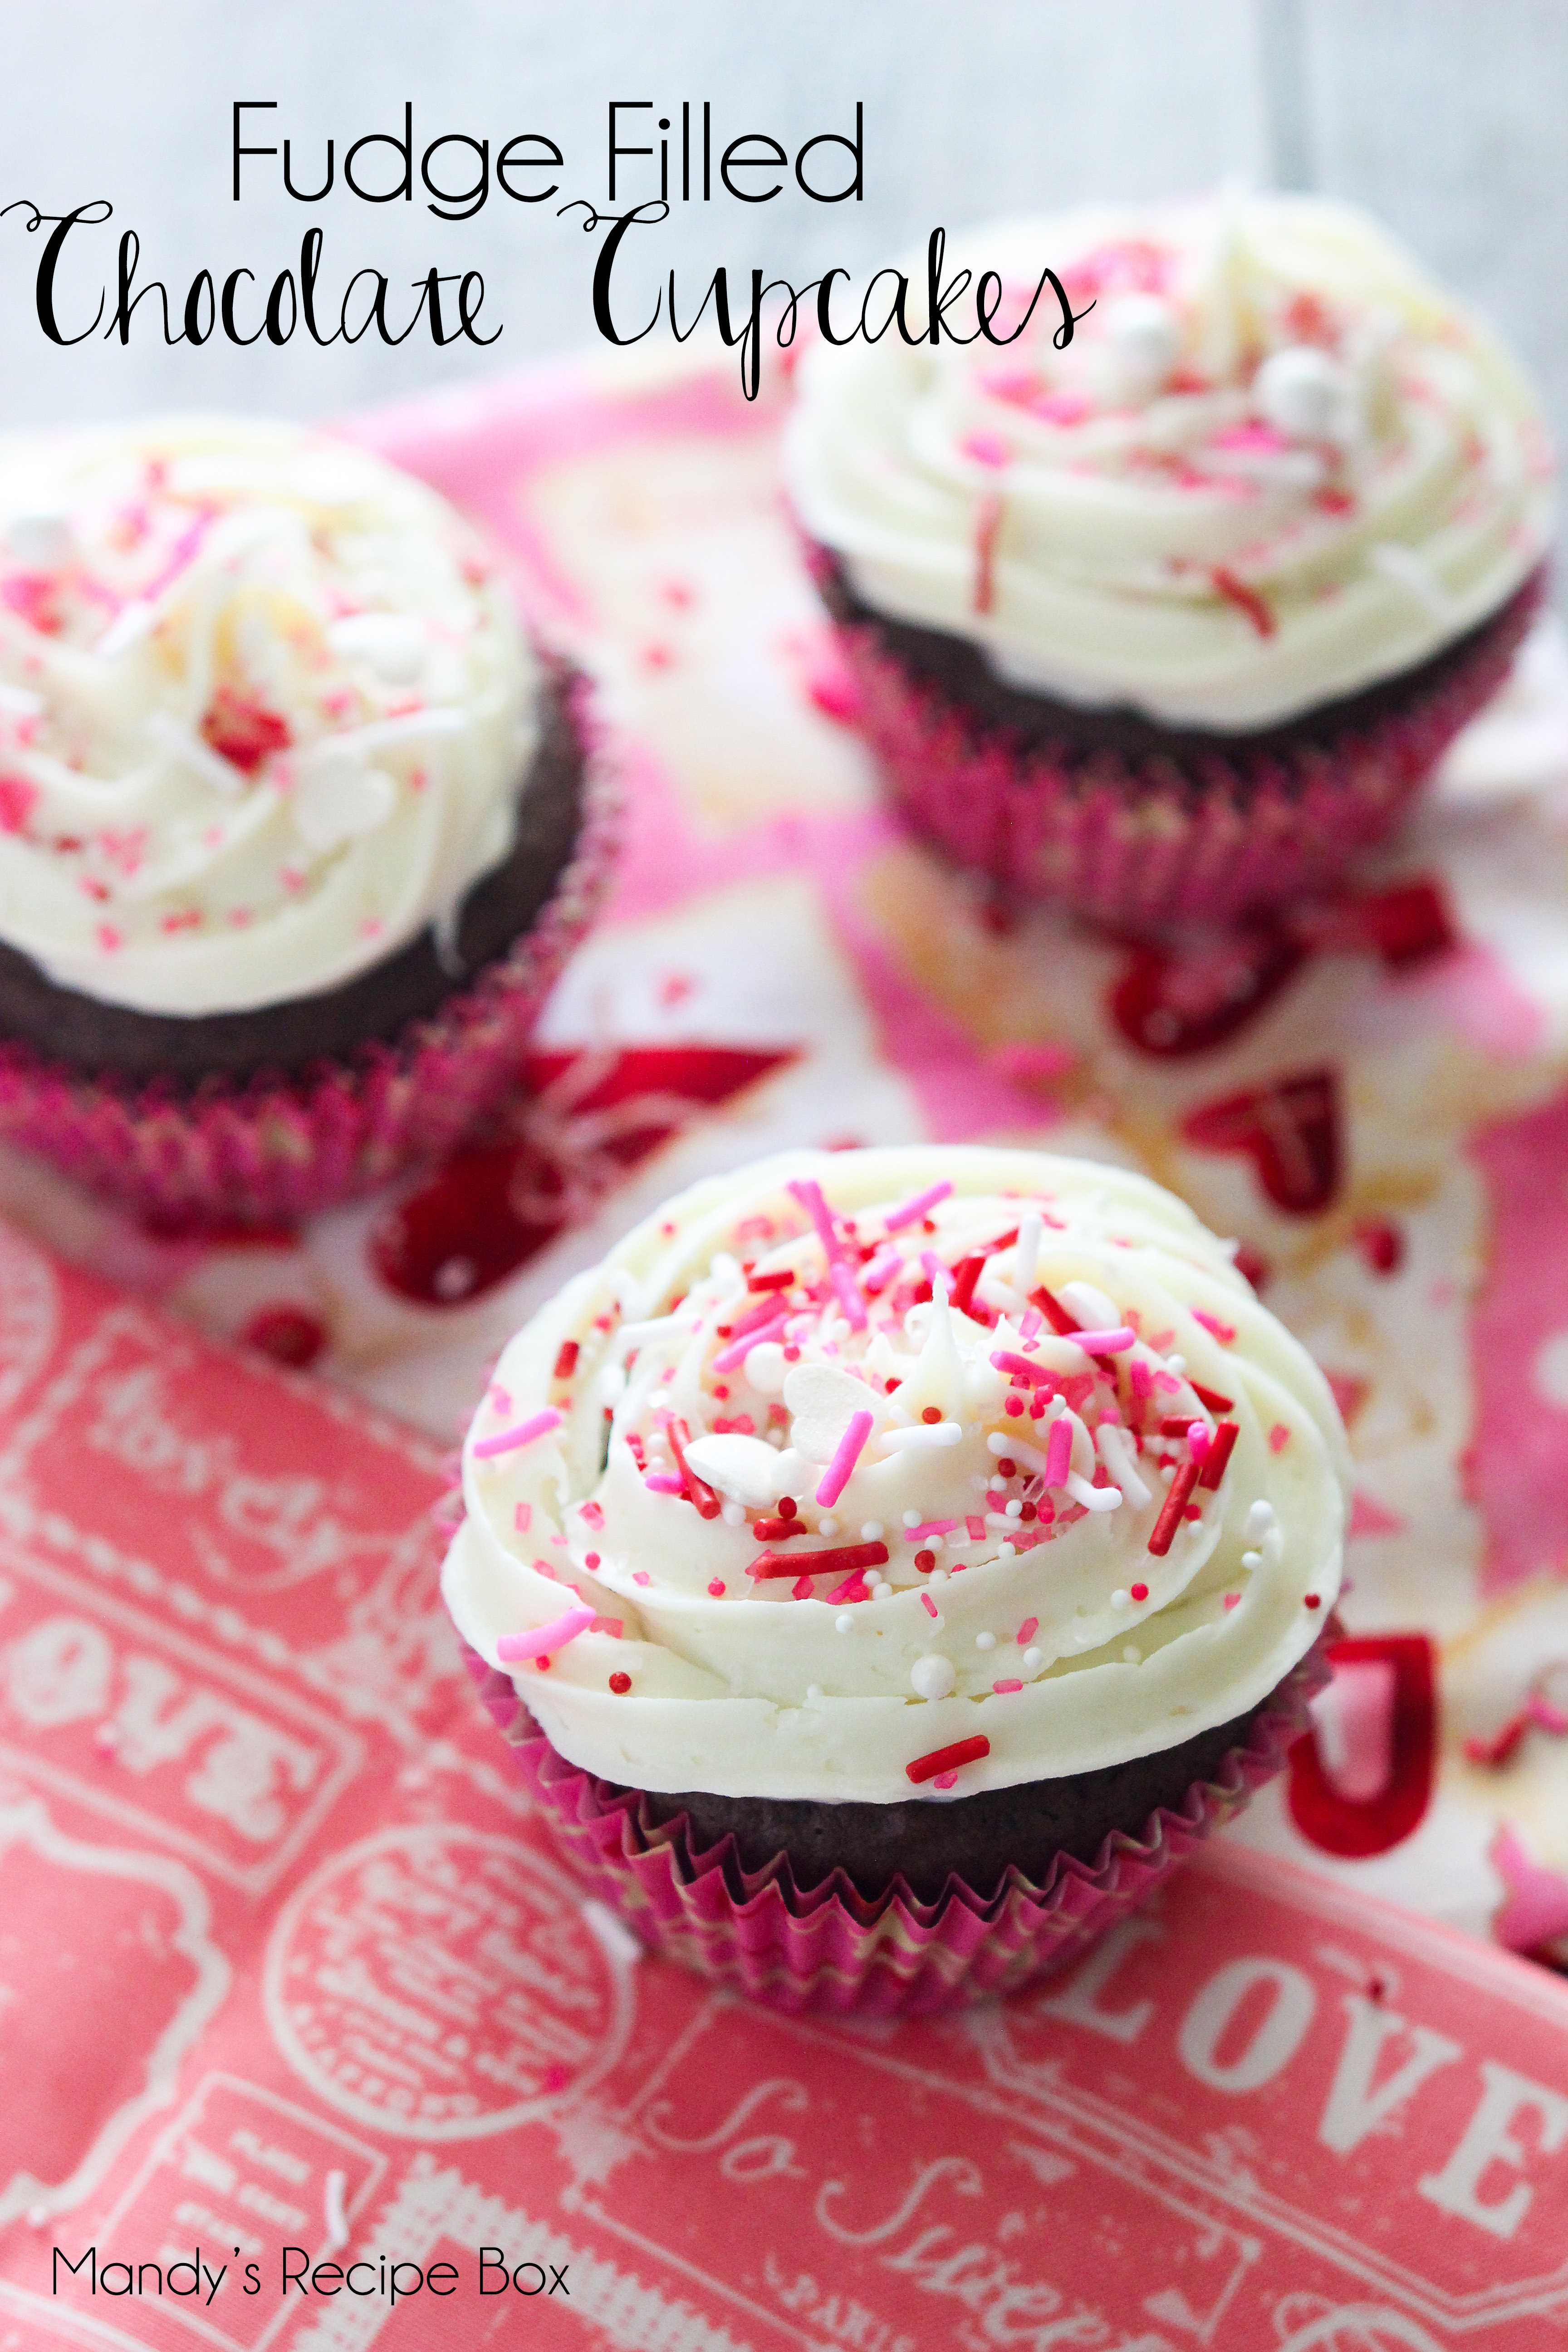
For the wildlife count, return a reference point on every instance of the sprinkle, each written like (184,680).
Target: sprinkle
(1140,1376)
(1013,1406)
(921,1434)
(1212,1398)
(1059,1451)
(701,1494)
(852,1588)
(1011,1451)
(755,1334)
(1002,1689)
(917,1530)
(567,1359)
(1027,1632)
(1224,1332)
(925,1561)
(928,1604)
(785,1279)
(1093,1499)
(1138,1592)
(590,1559)
(913,1211)
(523,1517)
(716,1589)
(947,1759)
(641,1576)
(1170,1510)
(847,1556)
(877,1275)
(660,1482)
(1246,600)
(1055,1313)
(966,1274)
(848,1295)
(507,1440)
(843,1624)
(809,1194)
(1218,1454)
(1278,1438)
(801,1588)
(1007,1360)
(1107,1343)
(975,1526)
(512,1647)
(1311,1601)
(1231,1599)
(777,1531)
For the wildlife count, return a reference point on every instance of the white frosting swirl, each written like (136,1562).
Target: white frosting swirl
(1015,1596)
(1274,464)
(264,706)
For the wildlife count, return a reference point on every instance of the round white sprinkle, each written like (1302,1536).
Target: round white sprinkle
(933,1676)
(765,1368)
(1132,1656)
(872,1531)
(1032,1660)
(1006,1551)
(985,1641)
(937,1543)
(733,1515)
(937,1576)
(827,1527)
(1015,1509)
(1120,1600)
(812,1692)
(1167,1471)
(911,1518)
(1252,1560)
(1260,1519)
(844,1622)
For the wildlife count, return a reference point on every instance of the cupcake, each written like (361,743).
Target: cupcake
(295,824)
(1165,619)
(886,1564)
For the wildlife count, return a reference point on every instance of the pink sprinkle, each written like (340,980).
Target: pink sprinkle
(930,1528)
(1006,1360)
(1031,1323)
(934,1269)
(986,449)
(592,1515)
(1198,1441)
(512,1647)
(716,1589)
(500,1398)
(1003,1688)
(641,1576)
(523,1517)
(1278,1438)
(848,1295)
(1168,1382)
(1013,1406)
(910,1214)
(976,1526)
(1231,1599)
(1059,1450)
(109,938)
(929,1604)
(590,1559)
(876,1275)
(1224,1332)
(853,1588)
(1108,1343)
(836,1477)
(736,1354)
(1027,1632)
(663,1482)
(808,1193)
(945,1780)
(1142,1378)
(507,1440)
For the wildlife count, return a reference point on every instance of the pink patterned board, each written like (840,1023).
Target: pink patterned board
(1372,1096)
(294,1982)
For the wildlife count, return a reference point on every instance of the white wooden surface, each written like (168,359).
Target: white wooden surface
(1447,116)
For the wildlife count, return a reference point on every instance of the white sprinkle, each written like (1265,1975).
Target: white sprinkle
(765,1368)
(812,1694)
(1006,1551)
(1122,1600)
(922,1433)
(733,1515)
(1252,1560)
(1260,1519)
(1093,1499)
(872,1531)
(1175,1363)
(937,1576)
(933,1676)
(845,1621)
(1032,1660)
(911,1518)
(985,1641)
(1026,1251)
(1094,1309)
(826,1526)
(1115,1452)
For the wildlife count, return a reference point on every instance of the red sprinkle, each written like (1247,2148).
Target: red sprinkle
(1055,1313)
(1007,1465)
(1219,1454)
(783,1280)
(966,1274)
(930,1413)
(925,1560)
(1311,1601)
(1211,1397)
(620,1684)
(788,1507)
(840,1555)
(1245,600)
(1138,1592)
(947,1759)
(778,1530)
(698,1490)
(566,1360)
(1176,1503)
(1278,1438)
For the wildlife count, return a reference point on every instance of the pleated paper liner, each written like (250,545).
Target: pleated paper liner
(1144,840)
(830,1949)
(280,1147)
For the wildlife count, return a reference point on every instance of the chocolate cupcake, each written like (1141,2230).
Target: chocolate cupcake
(1167,623)
(295,824)
(886,1564)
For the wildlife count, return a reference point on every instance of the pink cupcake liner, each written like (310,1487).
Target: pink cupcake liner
(1145,840)
(276,1148)
(830,1949)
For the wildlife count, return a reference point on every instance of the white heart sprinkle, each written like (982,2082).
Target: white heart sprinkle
(745,1468)
(822,1402)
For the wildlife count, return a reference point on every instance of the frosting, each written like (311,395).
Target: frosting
(1272,466)
(264,704)
(803,1488)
